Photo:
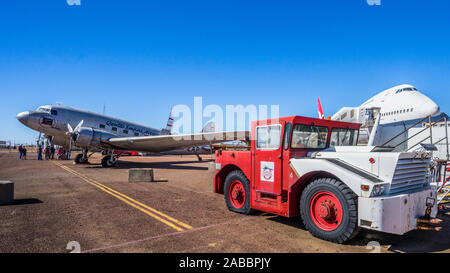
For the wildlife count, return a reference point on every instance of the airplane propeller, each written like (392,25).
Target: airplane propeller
(73,133)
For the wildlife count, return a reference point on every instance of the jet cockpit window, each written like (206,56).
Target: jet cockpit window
(54,112)
(406,89)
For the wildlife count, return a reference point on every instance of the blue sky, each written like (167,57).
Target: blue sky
(141,57)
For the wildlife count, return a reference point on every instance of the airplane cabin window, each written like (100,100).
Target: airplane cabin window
(136,134)
(102,126)
(125,131)
(54,112)
(114,129)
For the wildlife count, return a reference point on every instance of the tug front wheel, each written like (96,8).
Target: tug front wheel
(237,192)
(329,210)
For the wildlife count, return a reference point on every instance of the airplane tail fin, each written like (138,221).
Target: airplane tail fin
(210,127)
(320,110)
(168,129)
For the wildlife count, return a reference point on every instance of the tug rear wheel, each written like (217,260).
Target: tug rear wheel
(329,210)
(237,192)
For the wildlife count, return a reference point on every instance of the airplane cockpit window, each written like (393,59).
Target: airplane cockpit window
(406,89)
(54,112)
(43,109)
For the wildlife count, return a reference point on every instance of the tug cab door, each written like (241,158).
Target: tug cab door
(268,159)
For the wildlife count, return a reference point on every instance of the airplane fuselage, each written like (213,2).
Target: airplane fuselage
(53,120)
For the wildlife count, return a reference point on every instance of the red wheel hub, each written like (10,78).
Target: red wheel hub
(236,194)
(326,210)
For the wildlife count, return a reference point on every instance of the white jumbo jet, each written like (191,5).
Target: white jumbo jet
(67,127)
(392,111)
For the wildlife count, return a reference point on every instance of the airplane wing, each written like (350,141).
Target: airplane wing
(172,142)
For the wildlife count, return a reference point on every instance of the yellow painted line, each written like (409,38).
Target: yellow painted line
(148,210)
(141,204)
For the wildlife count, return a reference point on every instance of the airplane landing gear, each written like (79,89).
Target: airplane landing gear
(109,160)
(82,158)
(199,157)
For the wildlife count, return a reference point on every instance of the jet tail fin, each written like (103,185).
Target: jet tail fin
(168,129)
(320,110)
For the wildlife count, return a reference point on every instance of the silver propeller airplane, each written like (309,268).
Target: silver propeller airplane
(67,127)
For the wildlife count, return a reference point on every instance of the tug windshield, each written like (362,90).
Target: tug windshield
(343,137)
(309,137)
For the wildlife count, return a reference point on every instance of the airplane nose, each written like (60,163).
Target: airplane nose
(434,109)
(23,117)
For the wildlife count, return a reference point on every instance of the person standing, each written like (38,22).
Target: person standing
(39,152)
(47,152)
(52,152)
(20,152)
(24,153)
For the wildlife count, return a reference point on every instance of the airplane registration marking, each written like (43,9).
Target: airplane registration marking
(172,222)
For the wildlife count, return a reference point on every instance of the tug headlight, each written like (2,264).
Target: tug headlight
(379,190)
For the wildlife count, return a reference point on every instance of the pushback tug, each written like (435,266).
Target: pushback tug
(314,168)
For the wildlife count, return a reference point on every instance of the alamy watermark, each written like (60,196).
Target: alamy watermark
(233,119)
(73,2)
(374,2)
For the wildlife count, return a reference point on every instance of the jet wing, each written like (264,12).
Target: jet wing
(172,142)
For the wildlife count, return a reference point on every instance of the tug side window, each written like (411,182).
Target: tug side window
(343,137)
(268,137)
(309,137)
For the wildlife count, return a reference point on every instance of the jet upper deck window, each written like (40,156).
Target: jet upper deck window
(343,137)
(268,137)
(309,137)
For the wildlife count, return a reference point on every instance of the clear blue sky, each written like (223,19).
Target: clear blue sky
(141,57)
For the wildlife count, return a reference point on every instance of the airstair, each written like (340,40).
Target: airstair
(425,139)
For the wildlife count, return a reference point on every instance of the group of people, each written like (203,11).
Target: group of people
(48,152)
(22,152)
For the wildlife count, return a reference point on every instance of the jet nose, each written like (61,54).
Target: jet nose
(23,117)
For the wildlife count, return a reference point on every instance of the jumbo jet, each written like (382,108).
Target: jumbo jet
(391,112)
(67,127)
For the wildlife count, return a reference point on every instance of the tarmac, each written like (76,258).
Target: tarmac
(61,207)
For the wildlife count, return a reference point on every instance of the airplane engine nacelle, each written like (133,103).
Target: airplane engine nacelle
(88,137)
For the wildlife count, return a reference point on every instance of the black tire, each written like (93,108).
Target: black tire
(237,177)
(80,160)
(107,163)
(348,228)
